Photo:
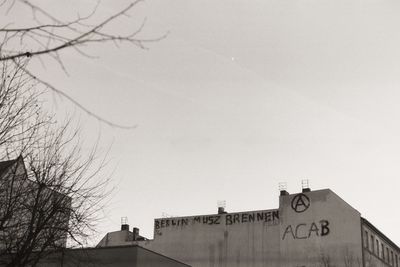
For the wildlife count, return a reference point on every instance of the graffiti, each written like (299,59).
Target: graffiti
(211,219)
(163,223)
(268,217)
(305,231)
(300,203)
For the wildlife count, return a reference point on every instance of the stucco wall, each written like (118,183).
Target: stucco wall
(324,230)
(117,238)
(234,239)
(319,228)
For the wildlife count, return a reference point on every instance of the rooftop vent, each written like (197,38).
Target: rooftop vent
(283,188)
(305,185)
(124,224)
(221,206)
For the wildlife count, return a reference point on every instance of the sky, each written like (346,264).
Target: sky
(240,96)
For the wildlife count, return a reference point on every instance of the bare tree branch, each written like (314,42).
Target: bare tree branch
(62,93)
(91,35)
(53,35)
(58,193)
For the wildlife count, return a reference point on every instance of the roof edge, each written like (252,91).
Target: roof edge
(384,237)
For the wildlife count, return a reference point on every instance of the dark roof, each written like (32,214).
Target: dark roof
(128,255)
(4,165)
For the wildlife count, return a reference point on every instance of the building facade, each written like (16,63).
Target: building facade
(121,256)
(309,229)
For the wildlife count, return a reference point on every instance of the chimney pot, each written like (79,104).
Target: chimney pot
(124,227)
(284,193)
(221,210)
(135,232)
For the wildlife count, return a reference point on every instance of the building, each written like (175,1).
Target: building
(33,216)
(121,238)
(308,229)
(34,222)
(121,256)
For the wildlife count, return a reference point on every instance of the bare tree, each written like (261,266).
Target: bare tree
(19,110)
(53,35)
(51,193)
(50,35)
(54,197)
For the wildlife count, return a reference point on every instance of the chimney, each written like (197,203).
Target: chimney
(221,210)
(282,189)
(124,224)
(221,206)
(305,186)
(284,193)
(135,232)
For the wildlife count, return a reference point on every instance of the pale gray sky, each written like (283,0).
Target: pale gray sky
(243,95)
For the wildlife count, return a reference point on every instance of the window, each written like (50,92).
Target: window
(397,261)
(391,258)
(383,252)
(372,243)
(377,247)
(366,239)
(387,255)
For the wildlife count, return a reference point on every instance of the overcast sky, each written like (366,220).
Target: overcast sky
(240,96)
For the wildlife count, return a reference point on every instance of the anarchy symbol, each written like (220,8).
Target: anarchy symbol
(300,203)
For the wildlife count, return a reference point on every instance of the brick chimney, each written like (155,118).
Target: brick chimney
(135,232)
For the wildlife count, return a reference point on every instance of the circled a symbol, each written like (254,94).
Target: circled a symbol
(300,203)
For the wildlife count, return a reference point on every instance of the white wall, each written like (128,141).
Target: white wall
(325,229)
(234,239)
